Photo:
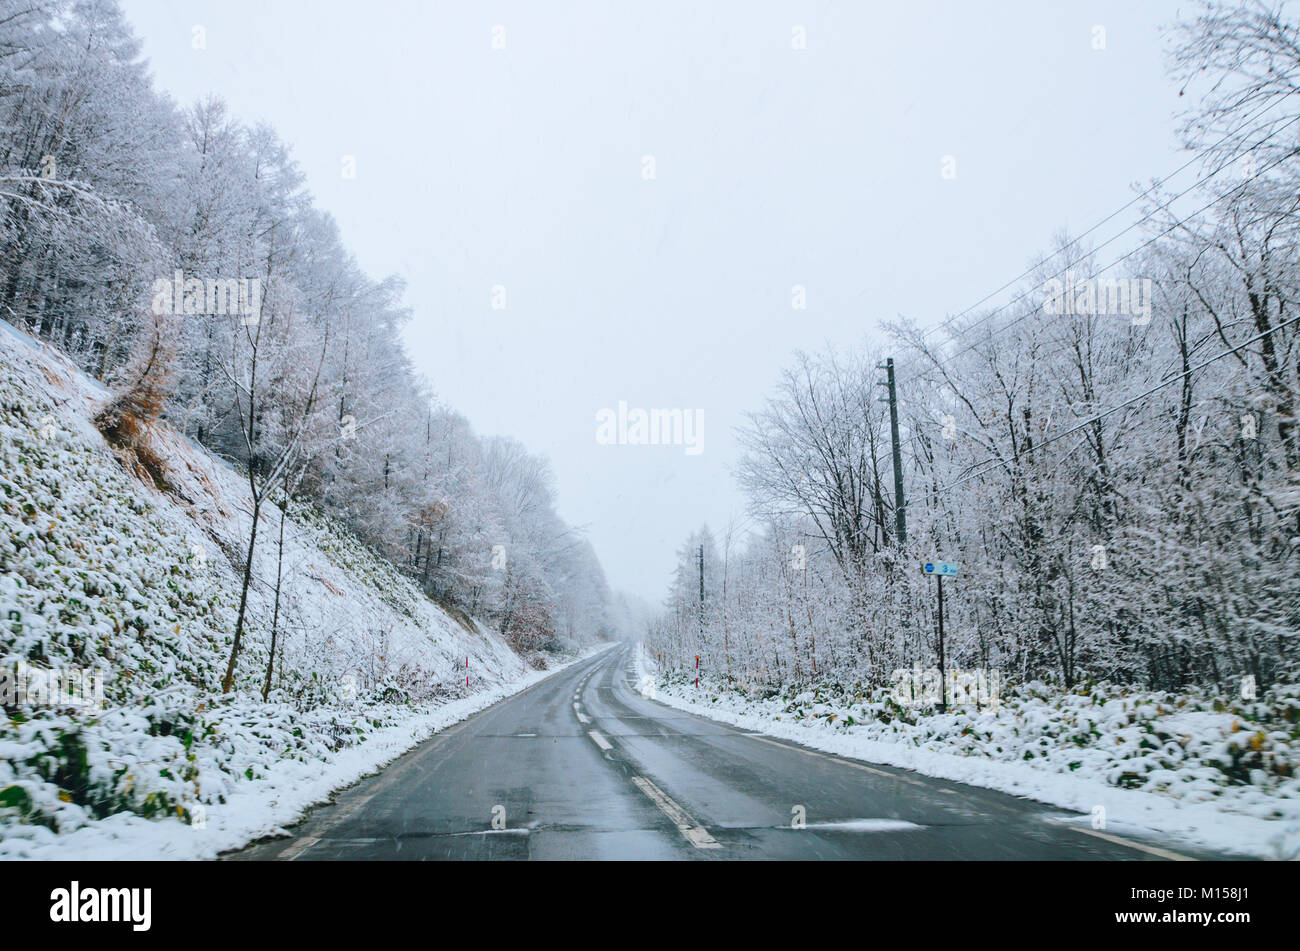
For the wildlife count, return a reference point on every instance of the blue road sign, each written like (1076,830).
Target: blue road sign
(941,568)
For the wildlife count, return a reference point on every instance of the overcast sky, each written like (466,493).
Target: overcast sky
(524,167)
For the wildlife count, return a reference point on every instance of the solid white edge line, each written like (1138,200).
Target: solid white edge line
(837,759)
(1149,849)
(1139,846)
(298,847)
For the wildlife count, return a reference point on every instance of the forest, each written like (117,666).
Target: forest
(1110,455)
(175,254)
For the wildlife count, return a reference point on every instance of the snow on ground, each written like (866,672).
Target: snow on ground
(1192,769)
(138,581)
(266,806)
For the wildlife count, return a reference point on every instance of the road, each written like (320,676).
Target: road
(581,766)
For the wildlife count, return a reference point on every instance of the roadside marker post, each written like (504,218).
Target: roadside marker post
(697,671)
(941,570)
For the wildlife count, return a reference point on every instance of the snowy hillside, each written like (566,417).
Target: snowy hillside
(100,570)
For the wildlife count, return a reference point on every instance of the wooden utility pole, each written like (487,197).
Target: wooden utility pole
(943,675)
(701,592)
(900,516)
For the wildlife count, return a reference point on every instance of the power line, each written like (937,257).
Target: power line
(1128,402)
(1162,207)
(951,320)
(1123,257)
(1127,205)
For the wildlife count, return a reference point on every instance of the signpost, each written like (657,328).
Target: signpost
(941,570)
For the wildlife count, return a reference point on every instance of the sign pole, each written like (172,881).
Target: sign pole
(943,680)
(940,569)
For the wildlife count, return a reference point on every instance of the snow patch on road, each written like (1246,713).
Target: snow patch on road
(865,825)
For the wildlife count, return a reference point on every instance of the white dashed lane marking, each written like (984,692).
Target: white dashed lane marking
(692,831)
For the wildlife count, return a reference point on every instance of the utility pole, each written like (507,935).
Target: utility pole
(900,516)
(701,591)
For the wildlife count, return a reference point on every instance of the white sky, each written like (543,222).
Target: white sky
(523,167)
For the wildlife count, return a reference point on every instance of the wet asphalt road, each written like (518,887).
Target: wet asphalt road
(581,766)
